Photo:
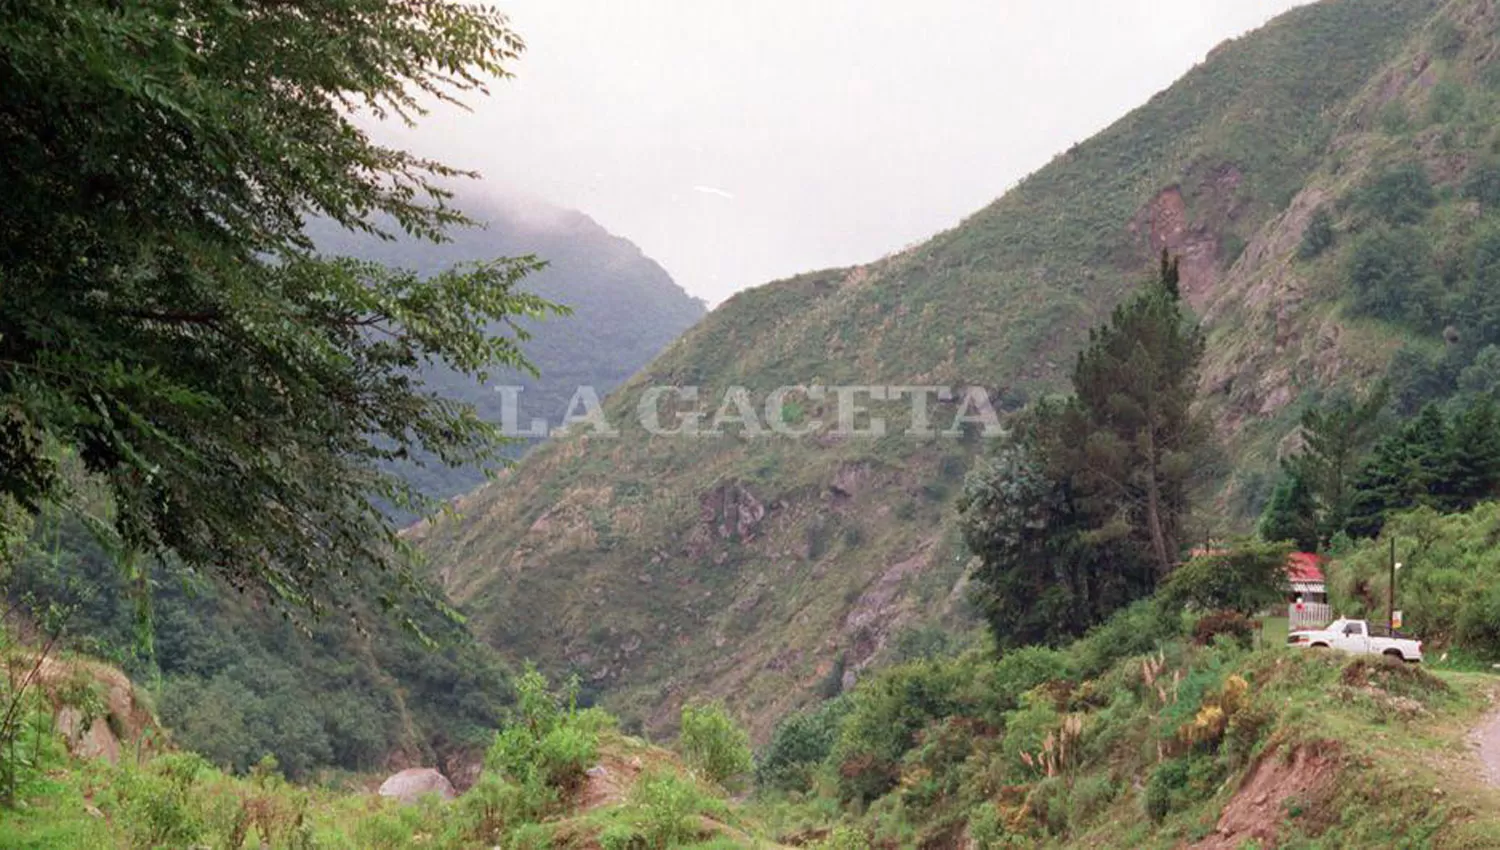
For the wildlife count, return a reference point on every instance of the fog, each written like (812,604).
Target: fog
(739,142)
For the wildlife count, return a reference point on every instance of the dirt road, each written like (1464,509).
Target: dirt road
(1486,740)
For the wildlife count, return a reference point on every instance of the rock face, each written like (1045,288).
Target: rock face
(410,785)
(94,706)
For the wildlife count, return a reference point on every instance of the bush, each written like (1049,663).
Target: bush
(1090,797)
(1389,276)
(1479,622)
(564,755)
(1137,630)
(1165,780)
(1402,195)
(1483,184)
(665,809)
(886,713)
(1232,624)
(1020,670)
(1318,235)
(842,838)
(548,745)
(713,744)
(798,745)
(1246,578)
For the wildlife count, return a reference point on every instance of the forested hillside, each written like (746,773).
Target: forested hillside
(1323,180)
(236,681)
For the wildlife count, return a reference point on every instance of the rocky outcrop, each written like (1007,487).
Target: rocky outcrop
(728,512)
(411,785)
(94,706)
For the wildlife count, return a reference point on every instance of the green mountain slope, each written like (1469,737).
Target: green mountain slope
(768,570)
(625,308)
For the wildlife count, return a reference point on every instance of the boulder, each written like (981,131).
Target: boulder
(410,785)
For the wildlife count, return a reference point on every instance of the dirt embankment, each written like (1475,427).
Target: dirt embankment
(1258,808)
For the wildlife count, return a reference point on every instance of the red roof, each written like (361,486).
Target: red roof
(1304,566)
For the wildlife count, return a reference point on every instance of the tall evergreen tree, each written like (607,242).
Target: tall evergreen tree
(1292,513)
(1082,513)
(1134,386)
(1335,437)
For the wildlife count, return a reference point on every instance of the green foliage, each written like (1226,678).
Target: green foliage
(1334,436)
(1449,564)
(235,683)
(1483,184)
(885,715)
(234,391)
(1292,513)
(1400,195)
(1389,276)
(1246,578)
(1318,236)
(1447,462)
(713,745)
(1447,38)
(799,744)
(1446,103)
(1082,514)
(1478,627)
(549,745)
(668,808)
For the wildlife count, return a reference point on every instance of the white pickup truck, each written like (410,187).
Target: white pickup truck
(1354,636)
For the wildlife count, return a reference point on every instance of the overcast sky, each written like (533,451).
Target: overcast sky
(740,141)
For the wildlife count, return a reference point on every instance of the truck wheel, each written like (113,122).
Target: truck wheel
(1394,654)
(1319,646)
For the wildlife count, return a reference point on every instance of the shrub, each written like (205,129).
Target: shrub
(1388,276)
(665,809)
(1318,236)
(1177,783)
(564,755)
(1483,184)
(1166,779)
(546,748)
(1245,579)
(1137,630)
(1401,195)
(1232,624)
(886,713)
(1479,622)
(1091,795)
(1020,670)
(713,744)
(798,745)
(842,838)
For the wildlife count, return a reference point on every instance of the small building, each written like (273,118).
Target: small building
(1307,599)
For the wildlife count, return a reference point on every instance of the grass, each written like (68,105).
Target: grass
(1274,631)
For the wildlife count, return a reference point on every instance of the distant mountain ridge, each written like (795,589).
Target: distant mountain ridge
(625,307)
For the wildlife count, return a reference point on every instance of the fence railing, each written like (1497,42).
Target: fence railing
(1303,615)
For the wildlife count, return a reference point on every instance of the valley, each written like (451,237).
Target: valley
(984,543)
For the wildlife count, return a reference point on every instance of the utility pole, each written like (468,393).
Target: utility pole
(1390,605)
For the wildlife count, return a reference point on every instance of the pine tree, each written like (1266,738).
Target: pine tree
(1334,438)
(1292,513)
(1474,455)
(1135,384)
(1082,512)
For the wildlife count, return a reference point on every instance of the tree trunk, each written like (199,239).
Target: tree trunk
(1153,502)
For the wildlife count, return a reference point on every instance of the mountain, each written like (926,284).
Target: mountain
(625,308)
(234,680)
(1328,182)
